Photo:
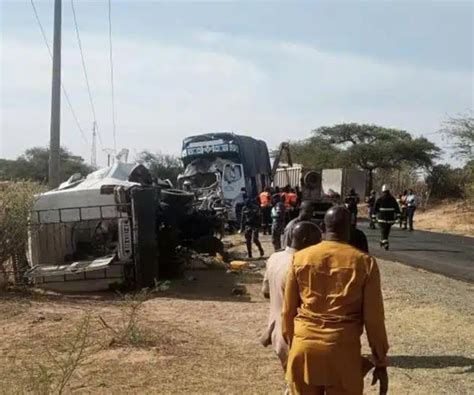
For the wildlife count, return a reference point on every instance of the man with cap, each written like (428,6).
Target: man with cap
(332,291)
(305,234)
(387,211)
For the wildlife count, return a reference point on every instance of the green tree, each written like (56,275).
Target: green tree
(446,182)
(460,130)
(161,166)
(372,147)
(33,165)
(316,153)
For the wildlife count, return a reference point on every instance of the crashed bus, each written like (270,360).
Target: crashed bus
(221,167)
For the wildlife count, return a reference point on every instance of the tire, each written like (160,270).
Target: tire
(176,197)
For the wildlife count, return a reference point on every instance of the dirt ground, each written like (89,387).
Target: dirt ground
(199,338)
(448,217)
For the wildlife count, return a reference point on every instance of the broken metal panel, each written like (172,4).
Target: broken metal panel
(75,267)
(144,214)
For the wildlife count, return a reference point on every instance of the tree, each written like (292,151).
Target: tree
(372,147)
(445,182)
(460,130)
(33,165)
(162,166)
(315,153)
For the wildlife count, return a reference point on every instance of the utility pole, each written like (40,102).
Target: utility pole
(109,152)
(54,142)
(94,146)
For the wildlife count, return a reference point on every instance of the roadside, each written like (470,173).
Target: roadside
(453,217)
(197,337)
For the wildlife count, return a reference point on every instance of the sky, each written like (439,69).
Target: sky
(272,70)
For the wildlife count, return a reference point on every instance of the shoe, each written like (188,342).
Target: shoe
(386,247)
(262,253)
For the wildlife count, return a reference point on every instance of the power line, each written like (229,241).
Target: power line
(66,95)
(112,76)
(85,69)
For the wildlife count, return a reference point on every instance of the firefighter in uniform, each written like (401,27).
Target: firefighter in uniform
(386,211)
(250,224)
(265,199)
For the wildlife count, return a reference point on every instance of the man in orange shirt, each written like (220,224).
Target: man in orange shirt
(265,199)
(332,292)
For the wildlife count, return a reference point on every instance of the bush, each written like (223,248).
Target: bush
(16,201)
(447,182)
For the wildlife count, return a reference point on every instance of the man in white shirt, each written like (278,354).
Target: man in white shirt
(304,234)
(411,207)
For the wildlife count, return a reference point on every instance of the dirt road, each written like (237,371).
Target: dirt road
(198,338)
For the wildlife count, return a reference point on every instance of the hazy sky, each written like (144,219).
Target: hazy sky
(273,70)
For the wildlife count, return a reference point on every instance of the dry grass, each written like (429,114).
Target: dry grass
(202,340)
(449,217)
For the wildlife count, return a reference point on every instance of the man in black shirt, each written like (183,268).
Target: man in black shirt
(249,224)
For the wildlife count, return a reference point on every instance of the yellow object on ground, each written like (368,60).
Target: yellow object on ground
(238,265)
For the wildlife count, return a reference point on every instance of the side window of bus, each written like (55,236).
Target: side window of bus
(232,173)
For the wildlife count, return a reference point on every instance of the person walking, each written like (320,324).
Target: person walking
(332,291)
(351,201)
(305,234)
(265,199)
(386,210)
(371,207)
(278,221)
(411,207)
(403,209)
(250,224)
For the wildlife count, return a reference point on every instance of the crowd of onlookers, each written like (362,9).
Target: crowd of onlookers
(275,211)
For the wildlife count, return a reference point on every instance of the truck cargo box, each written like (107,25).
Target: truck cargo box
(341,181)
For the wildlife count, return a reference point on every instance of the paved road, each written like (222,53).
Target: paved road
(450,255)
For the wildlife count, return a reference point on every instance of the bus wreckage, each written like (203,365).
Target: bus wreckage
(117,227)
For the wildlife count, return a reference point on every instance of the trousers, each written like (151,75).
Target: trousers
(266,219)
(385,230)
(410,215)
(251,234)
(277,231)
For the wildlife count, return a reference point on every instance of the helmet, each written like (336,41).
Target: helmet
(385,188)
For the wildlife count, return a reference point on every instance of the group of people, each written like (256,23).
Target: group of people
(276,212)
(323,291)
(271,212)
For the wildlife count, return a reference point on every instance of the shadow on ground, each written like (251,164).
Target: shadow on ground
(209,285)
(432,362)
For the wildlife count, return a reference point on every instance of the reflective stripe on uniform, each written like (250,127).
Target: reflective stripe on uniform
(386,209)
(386,221)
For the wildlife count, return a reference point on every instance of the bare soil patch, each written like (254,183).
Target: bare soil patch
(202,339)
